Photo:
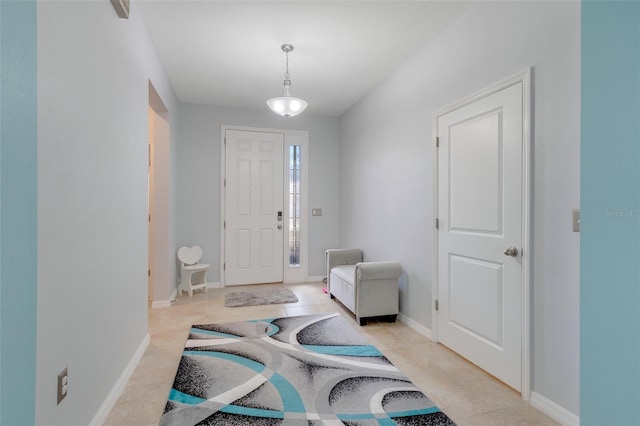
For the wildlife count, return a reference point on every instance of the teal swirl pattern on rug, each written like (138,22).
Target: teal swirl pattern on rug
(306,370)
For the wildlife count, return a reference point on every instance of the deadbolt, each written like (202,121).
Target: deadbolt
(511,251)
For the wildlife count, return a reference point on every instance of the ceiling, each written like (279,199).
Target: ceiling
(227,53)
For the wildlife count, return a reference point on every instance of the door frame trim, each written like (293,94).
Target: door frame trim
(291,137)
(523,77)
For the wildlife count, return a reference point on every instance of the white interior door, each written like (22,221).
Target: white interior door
(254,207)
(480,231)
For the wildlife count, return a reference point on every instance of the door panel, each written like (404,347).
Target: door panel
(473,280)
(243,187)
(243,250)
(266,248)
(480,199)
(254,196)
(266,188)
(475,186)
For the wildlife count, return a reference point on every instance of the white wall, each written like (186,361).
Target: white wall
(93,74)
(386,183)
(198,177)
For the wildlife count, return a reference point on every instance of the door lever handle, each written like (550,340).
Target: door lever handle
(511,251)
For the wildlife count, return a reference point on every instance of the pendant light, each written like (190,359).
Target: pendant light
(287,105)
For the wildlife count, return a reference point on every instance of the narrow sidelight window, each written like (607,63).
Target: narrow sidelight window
(294,205)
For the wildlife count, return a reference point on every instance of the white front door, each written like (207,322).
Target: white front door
(480,231)
(254,207)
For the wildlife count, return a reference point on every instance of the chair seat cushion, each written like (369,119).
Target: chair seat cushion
(345,272)
(198,267)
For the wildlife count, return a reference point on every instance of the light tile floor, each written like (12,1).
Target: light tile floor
(464,392)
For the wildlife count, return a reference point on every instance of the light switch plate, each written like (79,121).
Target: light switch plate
(576,220)
(316,212)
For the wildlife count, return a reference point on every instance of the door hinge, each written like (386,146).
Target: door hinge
(437,223)
(437,306)
(437,141)
(148,272)
(224,266)
(149,218)
(224,225)
(225,183)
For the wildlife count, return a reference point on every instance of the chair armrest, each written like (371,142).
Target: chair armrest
(376,289)
(337,257)
(378,270)
(343,257)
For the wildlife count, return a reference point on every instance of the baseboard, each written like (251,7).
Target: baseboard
(415,326)
(315,279)
(553,410)
(117,389)
(158,304)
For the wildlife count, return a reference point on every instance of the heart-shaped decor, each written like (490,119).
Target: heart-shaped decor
(190,255)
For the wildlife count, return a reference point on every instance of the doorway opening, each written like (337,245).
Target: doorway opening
(161,277)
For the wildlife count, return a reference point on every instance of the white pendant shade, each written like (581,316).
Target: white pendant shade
(287,105)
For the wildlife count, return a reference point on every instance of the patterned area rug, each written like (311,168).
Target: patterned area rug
(306,370)
(264,297)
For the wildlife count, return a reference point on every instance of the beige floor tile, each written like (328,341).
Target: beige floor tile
(467,394)
(293,311)
(140,405)
(306,288)
(305,299)
(382,337)
(520,415)
(459,388)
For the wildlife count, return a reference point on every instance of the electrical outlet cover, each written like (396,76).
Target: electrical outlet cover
(63,385)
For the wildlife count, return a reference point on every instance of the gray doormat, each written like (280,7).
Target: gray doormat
(264,297)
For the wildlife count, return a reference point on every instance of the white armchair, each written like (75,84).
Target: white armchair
(368,289)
